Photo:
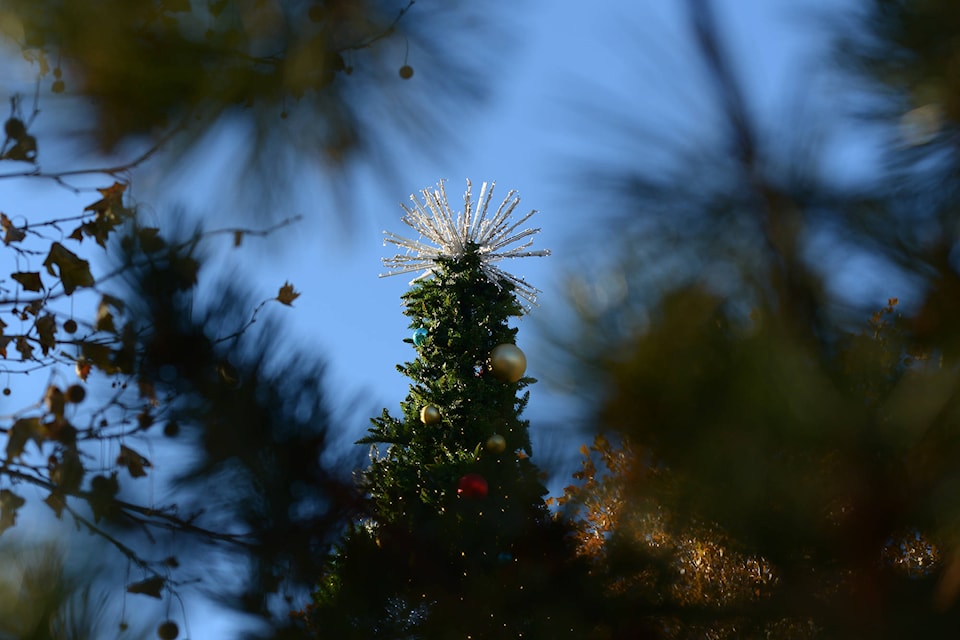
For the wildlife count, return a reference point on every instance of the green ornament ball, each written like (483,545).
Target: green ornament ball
(507,362)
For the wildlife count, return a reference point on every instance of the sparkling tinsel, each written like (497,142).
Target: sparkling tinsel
(448,234)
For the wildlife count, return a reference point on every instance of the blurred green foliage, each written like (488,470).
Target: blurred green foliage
(775,458)
(305,83)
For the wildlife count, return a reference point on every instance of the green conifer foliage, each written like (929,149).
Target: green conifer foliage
(427,560)
(465,316)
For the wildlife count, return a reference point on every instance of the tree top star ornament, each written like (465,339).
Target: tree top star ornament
(445,234)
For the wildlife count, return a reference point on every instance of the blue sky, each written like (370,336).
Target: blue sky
(564,55)
(528,138)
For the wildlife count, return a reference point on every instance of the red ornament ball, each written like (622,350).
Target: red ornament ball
(473,486)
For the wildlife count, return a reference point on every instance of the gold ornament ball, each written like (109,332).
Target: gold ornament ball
(496,443)
(429,415)
(507,362)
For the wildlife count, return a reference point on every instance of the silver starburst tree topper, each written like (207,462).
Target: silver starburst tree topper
(446,234)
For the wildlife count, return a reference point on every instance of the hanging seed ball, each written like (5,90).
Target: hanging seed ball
(70,326)
(496,443)
(168,630)
(76,393)
(430,414)
(58,86)
(14,128)
(171,429)
(507,362)
(6,391)
(406,72)
(419,336)
(473,486)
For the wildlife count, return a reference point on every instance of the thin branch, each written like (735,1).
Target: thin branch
(147,516)
(122,548)
(113,171)
(386,32)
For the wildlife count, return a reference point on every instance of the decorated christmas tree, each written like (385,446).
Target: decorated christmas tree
(454,540)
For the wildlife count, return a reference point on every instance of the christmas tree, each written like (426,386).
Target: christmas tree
(455,540)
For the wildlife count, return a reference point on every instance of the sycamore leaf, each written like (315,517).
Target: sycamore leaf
(149,587)
(54,400)
(23,346)
(133,461)
(74,271)
(46,328)
(57,502)
(100,228)
(30,309)
(24,150)
(97,355)
(66,471)
(287,294)
(59,430)
(104,319)
(82,368)
(22,431)
(11,233)
(103,491)
(9,503)
(4,341)
(111,197)
(29,280)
